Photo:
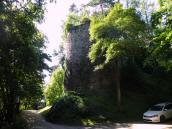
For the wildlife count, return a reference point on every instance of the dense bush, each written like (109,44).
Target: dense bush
(68,108)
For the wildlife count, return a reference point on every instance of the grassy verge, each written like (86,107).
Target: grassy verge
(44,111)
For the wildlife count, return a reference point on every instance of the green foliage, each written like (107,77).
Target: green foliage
(44,111)
(55,88)
(21,55)
(160,48)
(67,109)
(120,34)
(74,20)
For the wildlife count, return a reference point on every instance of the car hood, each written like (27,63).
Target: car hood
(151,113)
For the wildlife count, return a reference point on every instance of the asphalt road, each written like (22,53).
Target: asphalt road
(36,121)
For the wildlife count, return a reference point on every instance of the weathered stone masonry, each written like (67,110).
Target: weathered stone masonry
(78,66)
(79,74)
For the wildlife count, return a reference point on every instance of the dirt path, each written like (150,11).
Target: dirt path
(36,121)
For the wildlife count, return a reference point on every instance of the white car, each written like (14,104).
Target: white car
(158,113)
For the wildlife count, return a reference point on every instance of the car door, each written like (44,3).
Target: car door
(168,111)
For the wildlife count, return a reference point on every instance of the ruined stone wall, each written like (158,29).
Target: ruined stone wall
(76,49)
(79,74)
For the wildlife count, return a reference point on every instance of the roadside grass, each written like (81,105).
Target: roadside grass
(44,111)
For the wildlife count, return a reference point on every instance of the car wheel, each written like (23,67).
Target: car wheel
(162,118)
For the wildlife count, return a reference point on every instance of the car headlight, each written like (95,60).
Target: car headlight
(154,116)
(150,116)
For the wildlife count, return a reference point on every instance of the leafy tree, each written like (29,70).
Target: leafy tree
(55,88)
(21,54)
(160,48)
(118,36)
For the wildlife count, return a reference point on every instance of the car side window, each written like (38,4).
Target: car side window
(169,106)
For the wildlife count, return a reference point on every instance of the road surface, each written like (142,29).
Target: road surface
(36,121)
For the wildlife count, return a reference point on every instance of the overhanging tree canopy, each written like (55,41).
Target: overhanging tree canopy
(161,46)
(21,54)
(120,34)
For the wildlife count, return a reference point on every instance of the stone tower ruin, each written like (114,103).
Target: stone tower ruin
(80,75)
(76,52)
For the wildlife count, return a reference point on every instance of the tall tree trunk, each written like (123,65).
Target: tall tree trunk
(118,85)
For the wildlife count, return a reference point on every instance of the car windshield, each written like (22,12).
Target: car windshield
(156,108)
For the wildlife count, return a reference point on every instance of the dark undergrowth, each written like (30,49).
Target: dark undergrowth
(19,123)
(98,110)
